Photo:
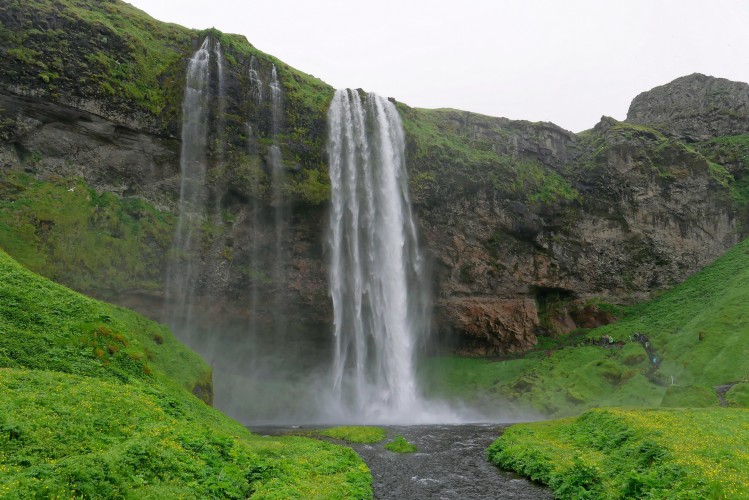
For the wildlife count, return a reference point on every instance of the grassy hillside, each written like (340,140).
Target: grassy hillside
(96,403)
(47,327)
(617,453)
(699,330)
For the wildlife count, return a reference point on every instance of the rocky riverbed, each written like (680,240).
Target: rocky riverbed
(450,462)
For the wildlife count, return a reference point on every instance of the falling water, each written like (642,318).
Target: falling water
(221,271)
(256,85)
(380,296)
(184,269)
(221,116)
(275,96)
(256,94)
(278,178)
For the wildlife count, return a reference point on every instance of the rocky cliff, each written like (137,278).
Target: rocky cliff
(533,226)
(531,229)
(694,108)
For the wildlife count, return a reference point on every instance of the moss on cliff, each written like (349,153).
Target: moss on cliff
(98,243)
(303,131)
(130,67)
(732,153)
(108,50)
(448,158)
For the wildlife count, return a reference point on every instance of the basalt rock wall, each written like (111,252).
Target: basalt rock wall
(530,229)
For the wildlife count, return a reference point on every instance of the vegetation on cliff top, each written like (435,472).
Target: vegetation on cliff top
(699,330)
(133,68)
(107,49)
(96,403)
(732,152)
(445,156)
(618,453)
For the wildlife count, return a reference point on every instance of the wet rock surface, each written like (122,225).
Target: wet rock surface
(450,463)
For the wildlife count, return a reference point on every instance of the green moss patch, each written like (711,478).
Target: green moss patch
(689,397)
(109,49)
(67,435)
(448,157)
(617,453)
(400,445)
(356,434)
(46,326)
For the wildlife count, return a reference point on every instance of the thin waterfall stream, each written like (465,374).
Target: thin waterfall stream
(280,212)
(183,272)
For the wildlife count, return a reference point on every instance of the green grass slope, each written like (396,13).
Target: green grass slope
(616,453)
(46,326)
(95,403)
(699,329)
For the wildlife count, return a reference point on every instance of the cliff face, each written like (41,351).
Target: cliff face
(694,108)
(529,227)
(545,224)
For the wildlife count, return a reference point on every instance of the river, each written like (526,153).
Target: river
(450,463)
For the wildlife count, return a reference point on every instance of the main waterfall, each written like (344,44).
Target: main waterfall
(377,280)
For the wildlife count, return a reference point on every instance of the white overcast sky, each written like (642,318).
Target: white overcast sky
(564,61)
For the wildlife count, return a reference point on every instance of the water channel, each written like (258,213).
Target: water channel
(450,463)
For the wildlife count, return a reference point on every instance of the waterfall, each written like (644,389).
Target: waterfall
(221,115)
(275,97)
(256,85)
(256,92)
(278,178)
(220,159)
(184,270)
(256,95)
(377,284)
